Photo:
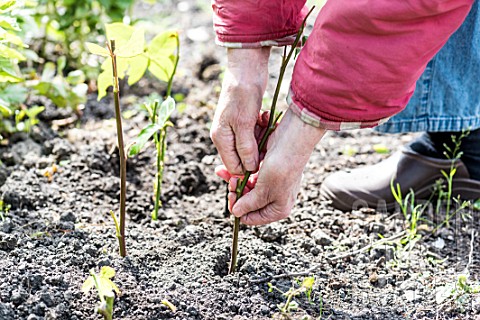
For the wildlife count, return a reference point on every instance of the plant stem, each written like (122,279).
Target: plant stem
(121,148)
(177,58)
(273,119)
(160,142)
(161,148)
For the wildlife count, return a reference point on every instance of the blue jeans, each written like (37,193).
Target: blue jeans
(447,95)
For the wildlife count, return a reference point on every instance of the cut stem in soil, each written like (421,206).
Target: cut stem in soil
(121,148)
(272,122)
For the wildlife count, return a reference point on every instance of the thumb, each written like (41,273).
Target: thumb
(247,148)
(250,202)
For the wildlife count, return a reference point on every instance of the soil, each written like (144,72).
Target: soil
(59,228)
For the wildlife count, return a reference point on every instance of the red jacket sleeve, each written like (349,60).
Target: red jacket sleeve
(360,64)
(256,23)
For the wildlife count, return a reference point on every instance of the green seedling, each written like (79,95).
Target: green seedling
(462,288)
(453,154)
(69,91)
(272,122)
(412,212)
(4,209)
(304,287)
(158,130)
(106,290)
(158,115)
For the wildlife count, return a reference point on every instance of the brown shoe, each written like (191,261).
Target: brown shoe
(370,186)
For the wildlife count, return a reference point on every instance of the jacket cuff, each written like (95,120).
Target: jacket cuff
(263,41)
(321,121)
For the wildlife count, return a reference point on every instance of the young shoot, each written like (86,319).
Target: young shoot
(305,286)
(106,290)
(272,122)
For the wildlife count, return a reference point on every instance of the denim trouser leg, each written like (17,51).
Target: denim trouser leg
(447,96)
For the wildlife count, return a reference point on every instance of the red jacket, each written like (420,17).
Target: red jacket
(362,59)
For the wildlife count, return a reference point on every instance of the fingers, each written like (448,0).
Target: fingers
(247,148)
(223,139)
(261,217)
(250,202)
(223,173)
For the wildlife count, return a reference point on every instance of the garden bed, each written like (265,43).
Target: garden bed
(59,227)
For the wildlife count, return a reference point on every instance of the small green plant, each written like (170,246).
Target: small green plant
(303,287)
(412,212)
(272,123)
(106,290)
(136,57)
(69,91)
(61,27)
(453,155)
(159,115)
(4,209)
(158,130)
(462,289)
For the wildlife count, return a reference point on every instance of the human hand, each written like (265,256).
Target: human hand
(271,192)
(235,121)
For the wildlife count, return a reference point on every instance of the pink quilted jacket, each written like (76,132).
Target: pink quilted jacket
(362,59)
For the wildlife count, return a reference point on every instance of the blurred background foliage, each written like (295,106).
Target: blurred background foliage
(42,53)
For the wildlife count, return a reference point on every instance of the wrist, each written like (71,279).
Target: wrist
(249,66)
(297,138)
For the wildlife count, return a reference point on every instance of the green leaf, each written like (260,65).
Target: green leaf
(34,111)
(6,4)
(96,49)
(10,53)
(142,138)
(170,305)
(136,65)
(119,32)
(308,282)
(76,77)
(48,72)
(136,69)
(165,110)
(476,205)
(61,63)
(380,148)
(161,67)
(88,284)
(134,46)
(4,108)
(163,45)
(107,272)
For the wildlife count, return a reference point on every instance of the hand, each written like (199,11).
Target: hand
(235,120)
(270,194)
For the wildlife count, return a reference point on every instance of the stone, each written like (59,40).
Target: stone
(321,238)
